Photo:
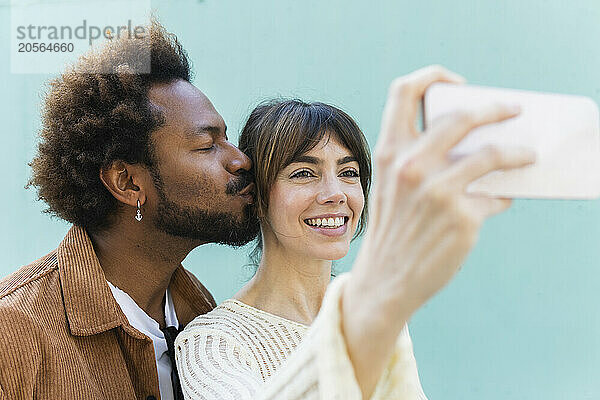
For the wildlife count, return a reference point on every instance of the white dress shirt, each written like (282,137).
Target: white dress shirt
(149,327)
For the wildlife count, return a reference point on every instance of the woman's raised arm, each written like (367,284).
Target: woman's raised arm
(422,224)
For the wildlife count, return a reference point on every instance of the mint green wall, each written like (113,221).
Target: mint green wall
(522,319)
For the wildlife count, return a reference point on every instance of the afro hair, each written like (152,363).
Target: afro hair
(98,112)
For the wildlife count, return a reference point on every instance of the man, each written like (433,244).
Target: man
(141,165)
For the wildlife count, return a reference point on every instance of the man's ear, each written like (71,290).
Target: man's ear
(125,182)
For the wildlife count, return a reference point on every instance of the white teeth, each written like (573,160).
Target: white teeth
(327,222)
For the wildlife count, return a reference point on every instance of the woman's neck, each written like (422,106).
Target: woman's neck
(288,285)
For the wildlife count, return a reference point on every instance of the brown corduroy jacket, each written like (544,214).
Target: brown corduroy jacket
(63,335)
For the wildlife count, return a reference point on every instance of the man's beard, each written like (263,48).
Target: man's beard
(206,226)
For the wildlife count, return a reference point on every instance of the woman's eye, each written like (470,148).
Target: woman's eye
(350,173)
(301,174)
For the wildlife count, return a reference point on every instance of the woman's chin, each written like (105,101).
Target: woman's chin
(331,254)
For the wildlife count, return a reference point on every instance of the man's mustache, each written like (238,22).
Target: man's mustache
(233,187)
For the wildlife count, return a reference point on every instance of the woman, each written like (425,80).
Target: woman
(313,172)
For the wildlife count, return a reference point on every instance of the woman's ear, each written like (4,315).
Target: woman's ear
(125,182)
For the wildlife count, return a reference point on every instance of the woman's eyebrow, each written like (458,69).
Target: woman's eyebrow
(314,160)
(346,160)
(307,160)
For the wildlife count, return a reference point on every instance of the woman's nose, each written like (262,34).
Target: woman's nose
(331,193)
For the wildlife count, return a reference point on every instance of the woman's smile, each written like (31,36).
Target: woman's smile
(328,224)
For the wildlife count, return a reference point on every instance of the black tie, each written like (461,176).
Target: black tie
(170,334)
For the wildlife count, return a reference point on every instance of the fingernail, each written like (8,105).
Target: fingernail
(514,108)
(526,152)
(458,78)
(530,154)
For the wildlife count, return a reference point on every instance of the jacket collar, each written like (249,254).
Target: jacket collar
(89,303)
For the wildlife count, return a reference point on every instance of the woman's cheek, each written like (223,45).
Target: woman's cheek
(292,202)
(356,202)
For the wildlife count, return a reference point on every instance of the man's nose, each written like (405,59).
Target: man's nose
(238,162)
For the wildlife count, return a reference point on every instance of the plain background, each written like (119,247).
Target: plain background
(521,320)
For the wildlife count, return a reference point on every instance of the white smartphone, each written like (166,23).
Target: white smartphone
(563,130)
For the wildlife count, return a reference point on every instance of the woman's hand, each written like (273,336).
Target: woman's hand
(422,223)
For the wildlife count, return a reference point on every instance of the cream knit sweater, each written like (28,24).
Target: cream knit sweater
(233,353)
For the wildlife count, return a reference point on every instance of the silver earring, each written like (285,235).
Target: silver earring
(138,214)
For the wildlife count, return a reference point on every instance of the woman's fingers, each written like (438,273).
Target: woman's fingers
(488,206)
(491,158)
(453,128)
(459,175)
(411,88)
(429,153)
(401,108)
